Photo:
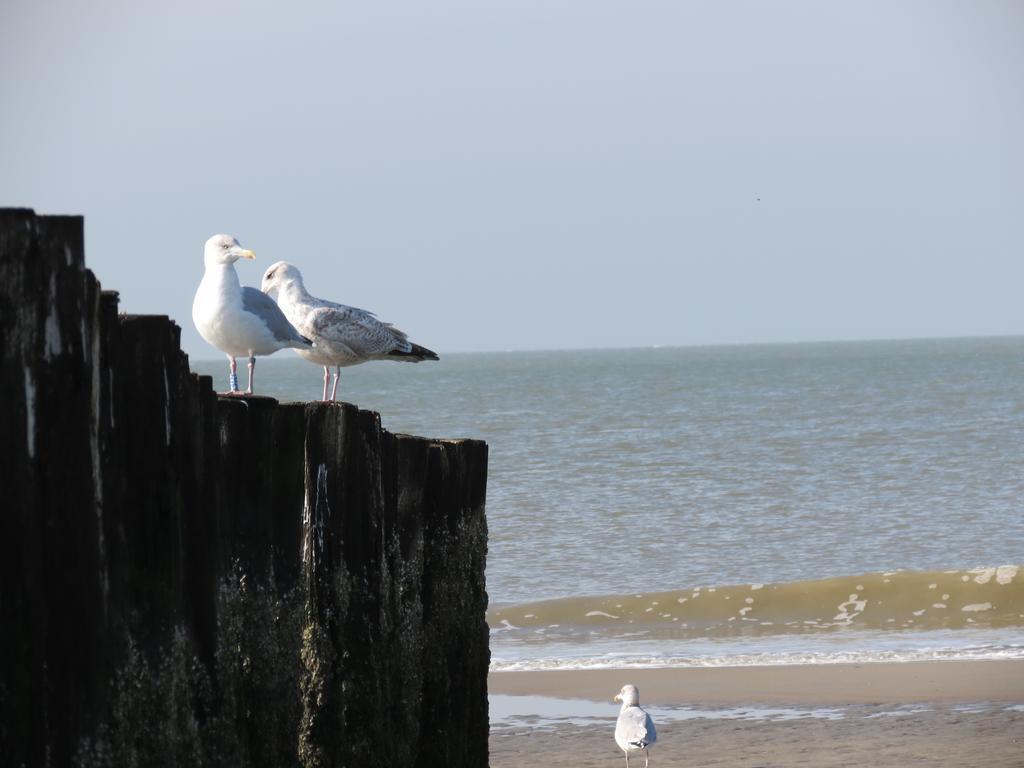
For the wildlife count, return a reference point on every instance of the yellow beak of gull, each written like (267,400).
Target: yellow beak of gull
(245,253)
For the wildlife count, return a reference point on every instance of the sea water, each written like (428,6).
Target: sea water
(788,503)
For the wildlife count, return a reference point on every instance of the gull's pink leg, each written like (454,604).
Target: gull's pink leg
(252,368)
(334,389)
(327,375)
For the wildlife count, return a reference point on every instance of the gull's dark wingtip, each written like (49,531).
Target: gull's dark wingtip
(423,353)
(415,355)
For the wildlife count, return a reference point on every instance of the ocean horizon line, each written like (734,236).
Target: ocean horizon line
(698,345)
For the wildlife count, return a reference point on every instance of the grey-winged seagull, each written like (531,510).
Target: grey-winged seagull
(634,730)
(239,321)
(342,335)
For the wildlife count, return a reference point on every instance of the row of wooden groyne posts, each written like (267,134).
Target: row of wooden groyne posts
(193,580)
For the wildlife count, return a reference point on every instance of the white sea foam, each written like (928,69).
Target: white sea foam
(640,649)
(846,615)
(983,575)
(1006,574)
(755,659)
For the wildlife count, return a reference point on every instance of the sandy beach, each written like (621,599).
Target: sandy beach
(925,713)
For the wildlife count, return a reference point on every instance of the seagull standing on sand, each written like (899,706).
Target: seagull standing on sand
(634,730)
(342,335)
(238,321)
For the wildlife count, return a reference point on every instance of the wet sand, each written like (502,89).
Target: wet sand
(902,682)
(900,714)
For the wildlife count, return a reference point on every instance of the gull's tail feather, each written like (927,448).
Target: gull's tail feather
(414,355)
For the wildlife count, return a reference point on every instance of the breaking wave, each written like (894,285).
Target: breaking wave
(900,600)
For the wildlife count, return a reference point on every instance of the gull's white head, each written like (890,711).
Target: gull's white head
(629,696)
(280,275)
(224,249)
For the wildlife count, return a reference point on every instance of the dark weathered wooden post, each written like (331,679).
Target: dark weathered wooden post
(187,579)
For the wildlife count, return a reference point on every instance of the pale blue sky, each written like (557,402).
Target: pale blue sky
(526,175)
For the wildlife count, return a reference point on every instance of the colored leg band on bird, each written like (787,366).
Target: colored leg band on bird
(233,381)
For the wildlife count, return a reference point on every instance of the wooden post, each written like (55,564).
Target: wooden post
(189,578)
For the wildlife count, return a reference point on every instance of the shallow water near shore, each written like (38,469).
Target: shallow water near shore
(647,492)
(544,712)
(547,713)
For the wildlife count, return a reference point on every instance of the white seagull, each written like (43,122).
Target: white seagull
(342,335)
(634,730)
(238,321)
